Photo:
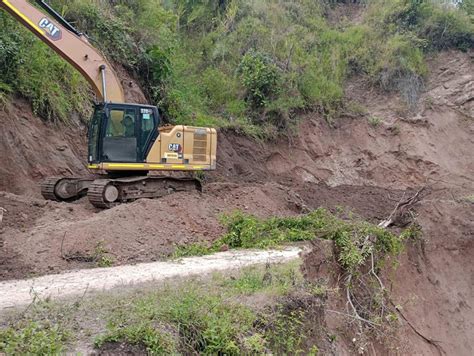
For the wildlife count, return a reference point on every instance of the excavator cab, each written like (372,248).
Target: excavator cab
(122,133)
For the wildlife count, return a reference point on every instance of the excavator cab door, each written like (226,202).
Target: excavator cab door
(122,133)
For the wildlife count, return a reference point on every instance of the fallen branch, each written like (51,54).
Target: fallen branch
(354,309)
(372,270)
(401,207)
(353,317)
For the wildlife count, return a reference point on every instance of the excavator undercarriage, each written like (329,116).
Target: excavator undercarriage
(105,193)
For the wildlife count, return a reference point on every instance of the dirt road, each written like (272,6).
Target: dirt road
(21,292)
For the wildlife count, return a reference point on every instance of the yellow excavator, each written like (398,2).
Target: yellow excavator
(125,140)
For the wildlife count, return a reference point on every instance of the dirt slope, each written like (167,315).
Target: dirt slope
(32,149)
(356,165)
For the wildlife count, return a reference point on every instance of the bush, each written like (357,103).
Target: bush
(260,78)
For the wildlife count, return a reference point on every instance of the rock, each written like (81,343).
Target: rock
(2,211)
(39,203)
(224,248)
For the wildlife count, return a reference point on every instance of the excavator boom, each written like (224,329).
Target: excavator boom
(73,47)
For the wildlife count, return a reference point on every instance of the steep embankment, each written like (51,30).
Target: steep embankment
(364,163)
(32,149)
(359,165)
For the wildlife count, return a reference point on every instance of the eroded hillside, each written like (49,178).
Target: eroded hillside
(357,152)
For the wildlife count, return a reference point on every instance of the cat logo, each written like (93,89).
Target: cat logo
(52,31)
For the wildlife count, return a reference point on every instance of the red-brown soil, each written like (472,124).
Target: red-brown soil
(354,165)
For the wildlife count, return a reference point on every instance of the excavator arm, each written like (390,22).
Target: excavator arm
(74,47)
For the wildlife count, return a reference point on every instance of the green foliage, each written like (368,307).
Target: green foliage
(259,77)
(285,333)
(194,249)
(248,231)
(374,121)
(5,91)
(110,33)
(32,338)
(440,25)
(279,279)
(468,6)
(245,65)
(100,256)
(469,198)
(30,68)
(204,323)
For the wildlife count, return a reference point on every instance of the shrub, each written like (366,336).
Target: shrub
(260,77)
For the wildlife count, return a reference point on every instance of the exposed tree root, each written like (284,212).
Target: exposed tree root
(429,341)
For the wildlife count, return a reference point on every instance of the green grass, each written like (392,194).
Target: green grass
(209,318)
(250,66)
(56,90)
(469,198)
(374,121)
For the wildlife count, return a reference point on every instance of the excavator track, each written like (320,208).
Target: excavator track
(105,193)
(64,189)
(47,188)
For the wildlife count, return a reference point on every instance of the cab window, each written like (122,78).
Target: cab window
(120,143)
(94,134)
(121,123)
(147,119)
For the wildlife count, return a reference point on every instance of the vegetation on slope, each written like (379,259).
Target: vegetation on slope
(350,236)
(241,63)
